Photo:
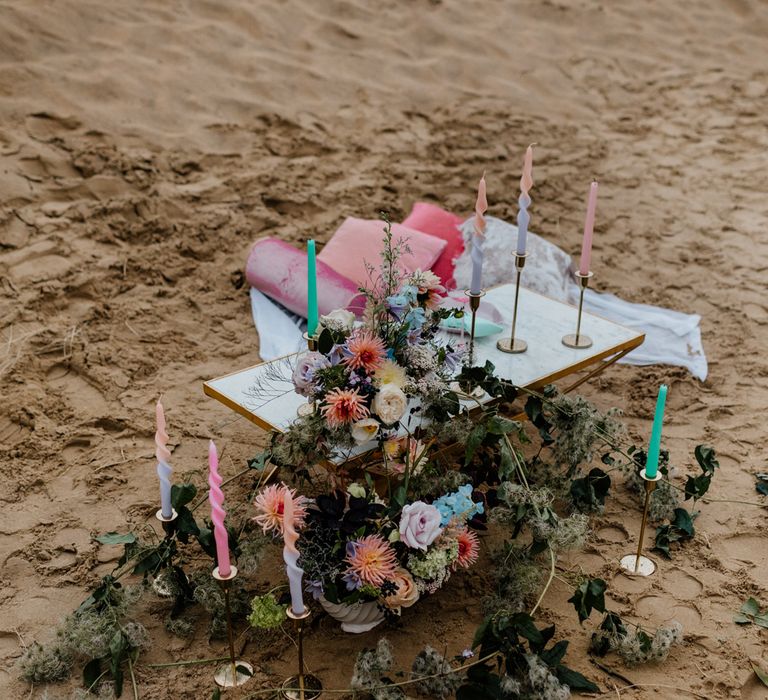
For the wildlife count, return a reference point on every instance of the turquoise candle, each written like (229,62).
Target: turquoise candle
(311,290)
(652,463)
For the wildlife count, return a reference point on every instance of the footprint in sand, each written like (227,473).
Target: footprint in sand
(656,610)
(745,551)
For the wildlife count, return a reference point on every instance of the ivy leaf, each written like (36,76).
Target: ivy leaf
(507,463)
(474,441)
(589,596)
(575,681)
(91,673)
(534,409)
(116,538)
(614,628)
(498,425)
(118,646)
(705,456)
(181,494)
(186,526)
(762,620)
(325,341)
(762,484)
(750,607)
(216,694)
(553,656)
(683,522)
(259,463)
(589,492)
(762,675)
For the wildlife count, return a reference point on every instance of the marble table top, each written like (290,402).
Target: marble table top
(264,393)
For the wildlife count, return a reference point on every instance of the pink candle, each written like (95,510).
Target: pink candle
(589,224)
(291,553)
(476,254)
(216,498)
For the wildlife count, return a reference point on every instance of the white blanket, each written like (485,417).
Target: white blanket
(671,337)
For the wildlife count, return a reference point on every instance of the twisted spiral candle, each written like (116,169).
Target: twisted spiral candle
(523,218)
(291,553)
(481,206)
(163,455)
(216,498)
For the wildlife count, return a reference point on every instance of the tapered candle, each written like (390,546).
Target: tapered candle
(291,553)
(481,206)
(652,462)
(216,498)
(589,225)
(312,314)
(163,455)
(523,218)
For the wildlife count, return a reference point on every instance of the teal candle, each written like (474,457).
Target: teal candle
(311,290)
(652,463)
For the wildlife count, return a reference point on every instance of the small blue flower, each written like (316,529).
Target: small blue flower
(416,318)
(352,580)
(315,588)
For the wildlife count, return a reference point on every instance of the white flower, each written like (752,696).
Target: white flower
(339,320)
(356,490)
(364,430)
(389,404)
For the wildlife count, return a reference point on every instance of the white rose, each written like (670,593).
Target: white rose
(420,525)
(339,320)
(365,430)
(390,404)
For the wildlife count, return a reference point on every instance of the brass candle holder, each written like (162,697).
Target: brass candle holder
(578,339)
(474,305)
(307,409)
(637,564)
(235,672)
(160,584)
(515,345)
(302,686)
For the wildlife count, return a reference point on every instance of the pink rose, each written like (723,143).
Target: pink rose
(419,525)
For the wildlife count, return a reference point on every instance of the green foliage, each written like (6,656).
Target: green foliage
(679,529)
(634,646)
(526,662)
(761,674)
(761,485)
(750,613)
(116,538)
(697,486)
(266,612)
(588,493)
(588,596)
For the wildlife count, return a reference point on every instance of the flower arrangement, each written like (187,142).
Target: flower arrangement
(368,378)
(356,547)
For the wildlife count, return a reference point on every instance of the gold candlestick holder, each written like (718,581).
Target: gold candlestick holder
(161,585)
(515,345)
(302,686)
(308,408)
(311,342)
(235,672)
(637,564)
(474,305)
(578,339)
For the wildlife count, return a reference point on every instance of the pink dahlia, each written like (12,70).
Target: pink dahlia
(365,351)
(372,559)
(343,406)
(469,548)
(270,505)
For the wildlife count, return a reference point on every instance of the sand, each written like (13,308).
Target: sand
(144,145)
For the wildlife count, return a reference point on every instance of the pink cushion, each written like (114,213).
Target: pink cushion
(280,271)
(442,224)
(358,241)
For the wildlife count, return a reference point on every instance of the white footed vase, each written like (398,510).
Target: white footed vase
(355,618)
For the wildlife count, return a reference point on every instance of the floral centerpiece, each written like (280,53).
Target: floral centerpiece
(368,379)
(365,558)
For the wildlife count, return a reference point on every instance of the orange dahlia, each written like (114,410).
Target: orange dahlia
(469,548)
(270,505)
(343,406)
(365,351)
(372,559)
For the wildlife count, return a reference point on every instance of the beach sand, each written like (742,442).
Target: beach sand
(144,145)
